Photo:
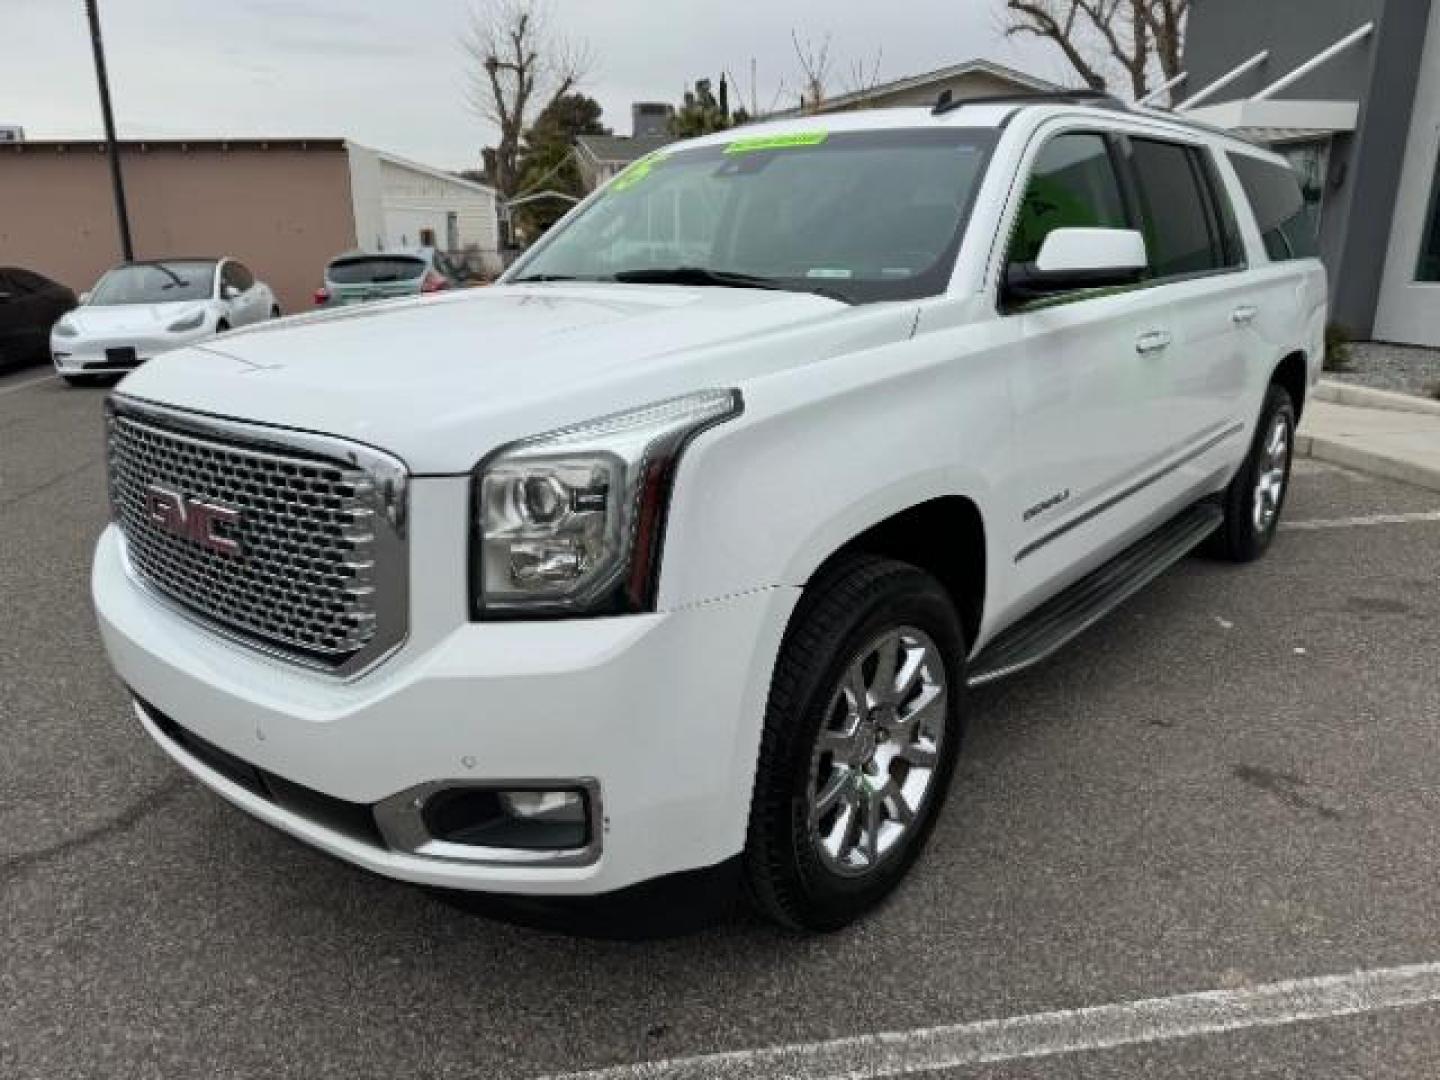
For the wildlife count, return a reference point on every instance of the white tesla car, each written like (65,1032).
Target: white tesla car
(141,309)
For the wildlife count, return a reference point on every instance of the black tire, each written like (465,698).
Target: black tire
(1243,537)
(221,326)
(81,380)
(275,311)
(860,600)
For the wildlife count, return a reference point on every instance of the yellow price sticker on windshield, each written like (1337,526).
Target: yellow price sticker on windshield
(777,142)
(638,171)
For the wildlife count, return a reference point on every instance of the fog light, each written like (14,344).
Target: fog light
(556,807)
(534,820)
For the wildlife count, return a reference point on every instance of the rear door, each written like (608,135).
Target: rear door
(1197,261)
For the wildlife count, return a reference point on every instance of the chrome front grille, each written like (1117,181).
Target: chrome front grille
(290,542)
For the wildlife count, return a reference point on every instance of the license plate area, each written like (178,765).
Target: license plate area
(123,354)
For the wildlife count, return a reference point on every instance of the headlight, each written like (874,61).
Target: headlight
(189,322)
(572,522)
(65,328)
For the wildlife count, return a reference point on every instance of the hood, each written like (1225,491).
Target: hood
(440,381)
(131,318)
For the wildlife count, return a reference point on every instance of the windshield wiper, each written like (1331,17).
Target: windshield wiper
(175,278)
(700,275)
(695,275)
(533,278)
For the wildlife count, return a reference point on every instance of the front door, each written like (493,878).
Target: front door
(1090,387)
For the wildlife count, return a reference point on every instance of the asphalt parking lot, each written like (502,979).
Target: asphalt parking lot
(1230,783)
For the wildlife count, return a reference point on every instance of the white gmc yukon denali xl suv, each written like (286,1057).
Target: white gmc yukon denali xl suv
(679,548)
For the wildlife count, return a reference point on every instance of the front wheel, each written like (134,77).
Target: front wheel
(861,735)
(1256,495)
(81,380)
(275,311)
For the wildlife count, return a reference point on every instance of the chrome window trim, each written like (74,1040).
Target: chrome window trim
(401,821)
(389,502)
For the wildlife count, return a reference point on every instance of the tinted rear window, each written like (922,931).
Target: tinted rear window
(1180,234)
(375,269)
(1287,224)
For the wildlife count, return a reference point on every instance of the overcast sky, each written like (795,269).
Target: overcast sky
(391,73)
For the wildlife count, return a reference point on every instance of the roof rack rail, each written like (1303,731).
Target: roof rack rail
(1098,98)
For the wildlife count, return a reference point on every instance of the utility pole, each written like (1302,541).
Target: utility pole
(122,216)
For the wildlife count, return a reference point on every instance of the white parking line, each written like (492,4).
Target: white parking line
(868,1057)
(1370,519)
(13,387)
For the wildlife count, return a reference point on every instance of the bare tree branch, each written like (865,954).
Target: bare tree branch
(814,69)
(519,68)
(1100,36)
(862,78)
(1167,20)
(1039,18)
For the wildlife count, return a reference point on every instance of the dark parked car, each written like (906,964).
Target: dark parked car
(29,306)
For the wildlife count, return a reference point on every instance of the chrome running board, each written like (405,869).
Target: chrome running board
(1064,617)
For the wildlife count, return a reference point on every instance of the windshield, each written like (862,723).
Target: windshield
(863,216)
(155,283)
(373,269)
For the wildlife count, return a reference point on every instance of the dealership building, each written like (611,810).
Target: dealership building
(1349,90)
(284,207)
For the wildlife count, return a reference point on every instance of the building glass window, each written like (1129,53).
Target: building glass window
(1429,266)
(1310,161)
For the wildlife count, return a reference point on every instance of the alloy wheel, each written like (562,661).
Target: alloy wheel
(878,750)
(1271,473)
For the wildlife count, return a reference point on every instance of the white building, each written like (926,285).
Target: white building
(403,204)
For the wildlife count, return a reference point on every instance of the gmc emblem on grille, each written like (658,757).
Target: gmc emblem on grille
(194,519)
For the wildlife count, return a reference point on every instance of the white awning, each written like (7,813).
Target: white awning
(1272,120)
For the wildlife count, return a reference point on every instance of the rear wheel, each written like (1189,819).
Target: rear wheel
(275,311)
(81,380)
(861,734)
(1256,496)
(221,326)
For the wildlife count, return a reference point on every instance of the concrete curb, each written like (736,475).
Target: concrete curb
(1347,454)
(1364,397)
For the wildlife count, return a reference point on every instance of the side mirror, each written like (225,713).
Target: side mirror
(1072,259)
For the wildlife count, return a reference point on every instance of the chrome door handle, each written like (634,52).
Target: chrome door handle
(1244,314)
(1153,342)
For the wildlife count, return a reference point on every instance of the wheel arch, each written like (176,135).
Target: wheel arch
(944,536)
(1292,375)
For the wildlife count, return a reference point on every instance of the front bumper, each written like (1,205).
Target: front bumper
(660,712)
(81,355)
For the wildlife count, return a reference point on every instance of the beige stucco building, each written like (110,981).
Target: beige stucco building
(284,207)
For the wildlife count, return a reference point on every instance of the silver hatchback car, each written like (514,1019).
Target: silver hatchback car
(361,276)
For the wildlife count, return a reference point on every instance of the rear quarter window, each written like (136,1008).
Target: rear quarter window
(1288,226)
